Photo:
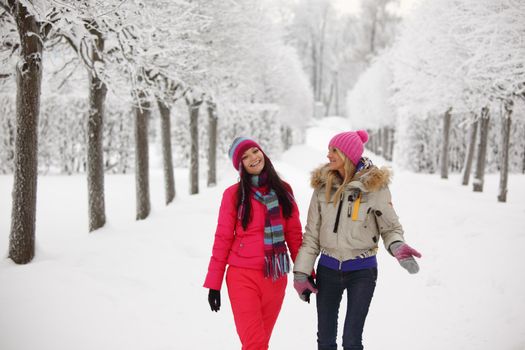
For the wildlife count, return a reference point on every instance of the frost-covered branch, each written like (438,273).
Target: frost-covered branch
(474,48)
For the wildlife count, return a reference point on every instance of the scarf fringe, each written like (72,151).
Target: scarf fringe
(276,265)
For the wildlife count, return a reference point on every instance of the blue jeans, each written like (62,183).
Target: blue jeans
(331,284)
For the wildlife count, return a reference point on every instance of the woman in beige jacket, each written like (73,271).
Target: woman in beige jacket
(350,209)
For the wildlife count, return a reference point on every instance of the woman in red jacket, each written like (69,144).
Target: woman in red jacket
(258,219)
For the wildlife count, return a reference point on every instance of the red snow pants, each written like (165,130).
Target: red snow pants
(256,302)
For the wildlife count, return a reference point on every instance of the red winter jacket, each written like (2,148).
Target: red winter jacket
(245,248)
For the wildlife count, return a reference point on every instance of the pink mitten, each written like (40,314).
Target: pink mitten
(302,284)
(405,255)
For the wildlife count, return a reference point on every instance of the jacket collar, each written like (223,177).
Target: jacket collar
(366,180)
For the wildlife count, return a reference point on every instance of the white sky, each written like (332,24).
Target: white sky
(352,6)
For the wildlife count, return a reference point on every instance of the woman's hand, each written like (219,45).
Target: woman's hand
(304,285)
(214,299)
(405,255)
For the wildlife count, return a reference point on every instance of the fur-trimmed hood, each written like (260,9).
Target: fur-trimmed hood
(367,180)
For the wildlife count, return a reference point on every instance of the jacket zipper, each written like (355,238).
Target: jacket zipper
(336,225)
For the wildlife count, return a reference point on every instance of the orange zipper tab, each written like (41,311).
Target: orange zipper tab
(355,210)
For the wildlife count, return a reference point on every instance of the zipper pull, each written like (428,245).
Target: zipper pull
(336,225)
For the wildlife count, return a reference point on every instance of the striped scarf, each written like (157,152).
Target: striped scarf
(276,260)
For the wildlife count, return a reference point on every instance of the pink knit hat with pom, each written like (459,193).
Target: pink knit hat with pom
(350,143)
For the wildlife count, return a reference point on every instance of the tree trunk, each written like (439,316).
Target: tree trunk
(446,137)
(286,136)
(371,140)
(321,68)
(391,144)
(385,142)
(194,150)
(29,84)
(336,84)
(523,156)
(212,143)
(95,153)
(505,141)
(379,142)
(470,152)
(142,114)
(328,101)
(482,150)
(165,129)
(314,68)
(373,35)
(523,165)
(375,144)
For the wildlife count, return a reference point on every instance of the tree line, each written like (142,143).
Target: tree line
(149,55)
(450,90)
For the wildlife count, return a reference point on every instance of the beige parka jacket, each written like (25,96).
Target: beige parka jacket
(366,212)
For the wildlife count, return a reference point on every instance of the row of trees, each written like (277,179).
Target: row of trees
(455,67)
(207,55)
(336,47)
(62,135)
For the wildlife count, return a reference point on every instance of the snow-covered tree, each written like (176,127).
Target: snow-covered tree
(459,56)
(369,107)
(335,49)
(32,31)
(245,61)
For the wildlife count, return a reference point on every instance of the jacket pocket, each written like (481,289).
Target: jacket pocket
(370,224)
(248,247)
(363,231)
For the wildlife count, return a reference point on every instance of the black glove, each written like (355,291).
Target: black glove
(214,299)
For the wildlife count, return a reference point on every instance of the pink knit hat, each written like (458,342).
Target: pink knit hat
(350,143)
(238,147)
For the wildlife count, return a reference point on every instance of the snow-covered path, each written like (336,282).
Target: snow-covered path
(137,285)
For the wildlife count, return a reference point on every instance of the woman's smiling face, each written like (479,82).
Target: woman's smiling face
(253,161)
(336,162)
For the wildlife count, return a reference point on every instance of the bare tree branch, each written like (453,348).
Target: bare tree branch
(73,60)
(112,10)
(45,28)
(70,42)
(67,77)
(84,54)
(4,5)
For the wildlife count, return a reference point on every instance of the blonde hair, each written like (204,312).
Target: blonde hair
(332,174)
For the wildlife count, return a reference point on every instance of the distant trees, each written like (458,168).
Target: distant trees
(246,62)
(313,25)
(369,106)
(465,58)
(454,67)
(335,49)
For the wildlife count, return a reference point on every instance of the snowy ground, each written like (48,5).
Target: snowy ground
(137,285)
